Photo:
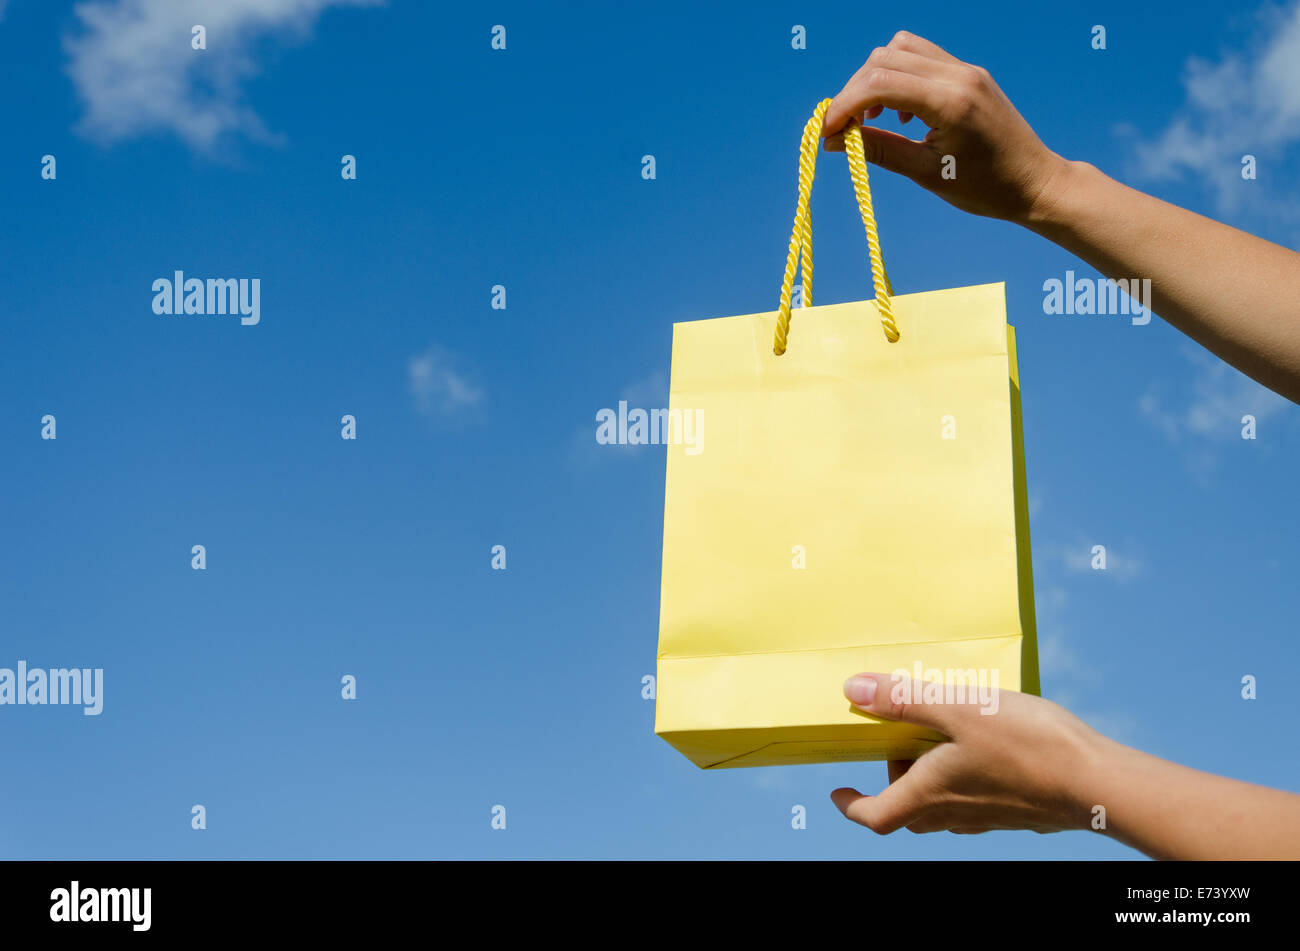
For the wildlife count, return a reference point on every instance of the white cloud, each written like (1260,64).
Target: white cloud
(1247,103)
(814,780)
(649,393)
(438,387)
(1071,677)
(1118,724)
(136,73)
(1212,404)
(1203,415)
(1121,565)
(1057,658)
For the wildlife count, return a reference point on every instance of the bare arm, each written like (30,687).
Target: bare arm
(1032,765)
(1170,811)
(1236,294)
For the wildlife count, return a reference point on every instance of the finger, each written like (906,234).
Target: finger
(835,142)
(920,45)
(927,825)
(905,61)
(898,153)
(903,699)
(894,808)
(894,152)
(920,95)
(898,768)
(898,60)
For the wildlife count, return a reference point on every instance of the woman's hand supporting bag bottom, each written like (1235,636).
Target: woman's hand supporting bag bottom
(1022,762)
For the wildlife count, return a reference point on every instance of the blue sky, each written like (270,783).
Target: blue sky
(476,426)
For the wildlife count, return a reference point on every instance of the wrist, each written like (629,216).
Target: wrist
(1090,759)
(1049,209)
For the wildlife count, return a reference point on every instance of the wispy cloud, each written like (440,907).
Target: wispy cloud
(1246,103)
(1118,724)
(439,387)
(648,393)
(1072,677)
(136,73)
(812,782)
(652,391)
(1211,404)
(1057,657)
(1203,413)
(1121,564)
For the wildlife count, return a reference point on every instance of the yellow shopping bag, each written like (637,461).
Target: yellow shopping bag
(854,501)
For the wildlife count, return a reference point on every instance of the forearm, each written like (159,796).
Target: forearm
(1169,811)
(1236,294)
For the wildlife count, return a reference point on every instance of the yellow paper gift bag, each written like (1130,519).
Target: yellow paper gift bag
(854,500)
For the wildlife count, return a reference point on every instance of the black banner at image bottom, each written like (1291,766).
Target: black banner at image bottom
(144,900)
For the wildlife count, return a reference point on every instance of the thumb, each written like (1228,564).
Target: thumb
(899,804)
(894,153)
(898,153)
(900,698)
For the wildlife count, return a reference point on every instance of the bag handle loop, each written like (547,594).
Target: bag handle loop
(800,254)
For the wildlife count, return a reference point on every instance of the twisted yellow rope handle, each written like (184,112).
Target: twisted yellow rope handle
(800,254)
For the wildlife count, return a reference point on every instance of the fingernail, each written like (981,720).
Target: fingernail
(860,690)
